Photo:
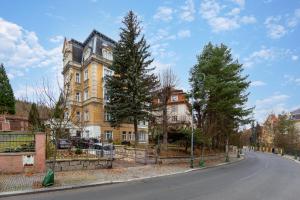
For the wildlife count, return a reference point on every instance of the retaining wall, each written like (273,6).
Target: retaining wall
(80,164)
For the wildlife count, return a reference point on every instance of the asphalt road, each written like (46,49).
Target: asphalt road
(260,176)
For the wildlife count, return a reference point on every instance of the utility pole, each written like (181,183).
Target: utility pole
(192,137)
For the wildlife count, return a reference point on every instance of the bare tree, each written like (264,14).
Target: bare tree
(60,112)
(168,81)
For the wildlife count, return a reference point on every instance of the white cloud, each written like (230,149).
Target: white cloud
(275,30)
(164,14)
(241,3)
(294,20)
(294,57)
(292,79)
(264,54)
(188,11)
(20,50)
(234,12)
(257,83)
(57,39)
(159,42)
(279,26)
(248,20)
(184,33)
(13,73)
(210,10)
(159,66)
(275,103)
(269,54)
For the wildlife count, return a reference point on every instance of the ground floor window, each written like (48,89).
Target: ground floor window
(132,137)
(124,136)
(78,133)
(108,135)
(142,136)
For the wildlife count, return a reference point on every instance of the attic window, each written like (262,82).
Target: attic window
(107,54)
(174,98)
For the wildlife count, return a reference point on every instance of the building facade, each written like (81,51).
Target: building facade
(267,134)
(13,123)
(85,65)
(178,111)
(295,116)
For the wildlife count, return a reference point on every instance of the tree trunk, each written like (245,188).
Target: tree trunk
(136,134)
(165,126)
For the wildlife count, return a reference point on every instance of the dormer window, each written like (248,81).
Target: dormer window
(107,54)
(77,78)
(174,98)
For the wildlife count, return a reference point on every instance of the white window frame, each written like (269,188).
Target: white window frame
(86,94)
(77,77)
(174,109)
(86,116)
(106,72)
(174,98)
(86,74)
(142,136)
(107,54)
(174,118)
(124,135)
(77,97)
(132,136)
(106,133)
(107,116)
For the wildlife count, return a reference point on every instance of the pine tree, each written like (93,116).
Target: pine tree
(130,88)
(58,110)
(220,92)
(7,99)
(34,118)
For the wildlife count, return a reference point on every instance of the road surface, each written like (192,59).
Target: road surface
(260,176)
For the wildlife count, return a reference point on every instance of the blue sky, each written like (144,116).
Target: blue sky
(263,35)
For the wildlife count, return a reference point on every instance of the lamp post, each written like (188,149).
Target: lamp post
(192,123)
(192,137)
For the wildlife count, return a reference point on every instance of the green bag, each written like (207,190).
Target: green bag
(49,178)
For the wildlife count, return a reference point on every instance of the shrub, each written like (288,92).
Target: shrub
(78,151)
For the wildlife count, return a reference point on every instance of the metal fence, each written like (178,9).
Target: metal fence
(17,142)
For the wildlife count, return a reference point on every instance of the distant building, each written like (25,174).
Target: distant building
(295,116)
(267,135)
(88,63)
(178,111)
(13,123)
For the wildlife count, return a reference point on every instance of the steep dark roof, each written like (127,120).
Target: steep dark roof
(76,42)
(95,32)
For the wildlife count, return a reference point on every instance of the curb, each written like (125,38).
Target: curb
(95,184)
(297,161)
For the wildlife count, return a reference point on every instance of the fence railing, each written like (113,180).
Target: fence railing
(17,142)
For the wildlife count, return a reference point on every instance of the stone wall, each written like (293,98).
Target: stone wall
(80,164)
(185,159)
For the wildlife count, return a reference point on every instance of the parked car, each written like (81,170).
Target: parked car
(64,144)
(83,143)
(106,150)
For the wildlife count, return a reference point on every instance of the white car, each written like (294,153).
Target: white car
(107,150)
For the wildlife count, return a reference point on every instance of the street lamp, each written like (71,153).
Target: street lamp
(192,137)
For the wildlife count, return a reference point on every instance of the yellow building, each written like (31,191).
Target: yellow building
(86,64)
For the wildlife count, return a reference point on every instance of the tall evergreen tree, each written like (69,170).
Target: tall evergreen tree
(7,99)
(220,92)
(130,88)
(34,118)
(58,110)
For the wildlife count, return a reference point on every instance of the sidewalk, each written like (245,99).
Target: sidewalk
(21,182)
